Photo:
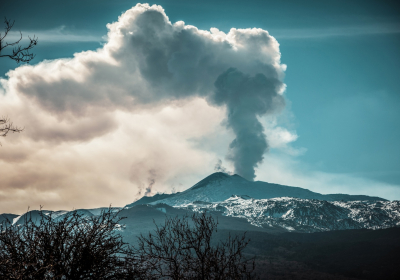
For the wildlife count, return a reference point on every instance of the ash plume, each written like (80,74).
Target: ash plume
(247,98)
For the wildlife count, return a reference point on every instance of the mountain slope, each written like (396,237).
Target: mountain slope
(7,218)
(269,207)
(150,199)
(220,186)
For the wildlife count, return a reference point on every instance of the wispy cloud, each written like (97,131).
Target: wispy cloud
(291,171)
(55,35)
(326,32)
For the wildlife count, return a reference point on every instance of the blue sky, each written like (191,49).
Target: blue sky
(342,77)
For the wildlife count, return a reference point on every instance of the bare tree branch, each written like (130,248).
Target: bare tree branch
(72,246)
(7,126)
(19,53)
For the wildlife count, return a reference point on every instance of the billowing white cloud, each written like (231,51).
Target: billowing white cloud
(115,167)
(103,126)
(147,60)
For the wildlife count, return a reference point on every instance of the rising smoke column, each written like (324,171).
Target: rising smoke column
(247,98)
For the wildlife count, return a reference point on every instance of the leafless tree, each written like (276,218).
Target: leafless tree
(75,246)
(70,247)
(19,53)
(182,248)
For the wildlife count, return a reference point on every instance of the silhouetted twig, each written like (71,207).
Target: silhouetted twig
(19,53)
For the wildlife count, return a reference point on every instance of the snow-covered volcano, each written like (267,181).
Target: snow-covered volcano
(221,186)
(269,205)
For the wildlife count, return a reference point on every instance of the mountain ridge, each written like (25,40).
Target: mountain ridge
(220,186)
(268,206)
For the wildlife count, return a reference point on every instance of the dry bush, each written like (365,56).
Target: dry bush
(182,248)
(70,247)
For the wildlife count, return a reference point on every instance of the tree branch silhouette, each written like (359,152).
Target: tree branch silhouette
(73,246)
(19,53)
(7,126)
(184,248)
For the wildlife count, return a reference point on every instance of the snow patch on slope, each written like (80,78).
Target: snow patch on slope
(306,215)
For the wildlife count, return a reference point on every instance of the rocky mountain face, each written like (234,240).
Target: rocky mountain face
(306,215)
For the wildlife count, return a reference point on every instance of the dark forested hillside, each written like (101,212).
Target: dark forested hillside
(347,254)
